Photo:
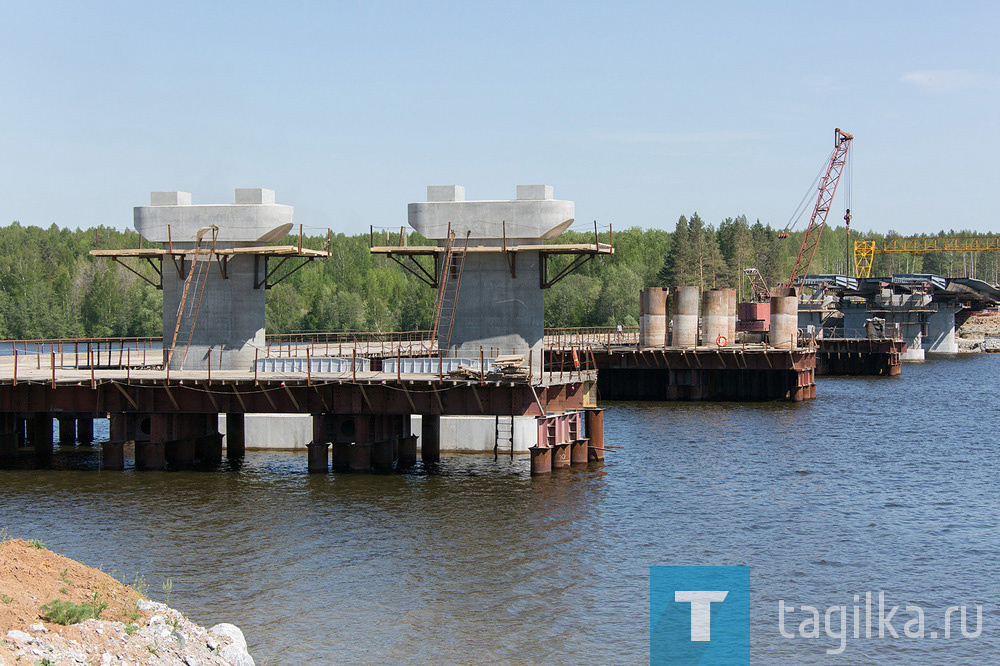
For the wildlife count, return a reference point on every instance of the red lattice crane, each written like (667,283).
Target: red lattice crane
(817,222)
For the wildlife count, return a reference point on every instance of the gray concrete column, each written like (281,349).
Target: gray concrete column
(731,315)
(653,317)
(430,438)
(684,311)
(784,322)
(714,318)
(236,442)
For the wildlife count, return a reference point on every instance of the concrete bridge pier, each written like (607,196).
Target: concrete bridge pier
(684,313)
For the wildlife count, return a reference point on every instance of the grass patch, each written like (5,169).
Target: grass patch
(131,628)
(36,543)
(6,598)
(67,612)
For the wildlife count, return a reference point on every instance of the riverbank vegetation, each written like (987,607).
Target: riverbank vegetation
(51,287)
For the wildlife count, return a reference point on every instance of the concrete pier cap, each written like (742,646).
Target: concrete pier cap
(226,329)
(254,217)
(533,215)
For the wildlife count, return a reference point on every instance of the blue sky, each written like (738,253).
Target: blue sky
(639,112)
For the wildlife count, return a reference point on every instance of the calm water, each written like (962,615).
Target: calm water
(880,484)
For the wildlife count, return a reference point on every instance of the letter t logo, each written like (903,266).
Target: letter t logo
(701,611)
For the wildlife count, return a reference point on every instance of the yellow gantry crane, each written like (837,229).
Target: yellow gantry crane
(865,249)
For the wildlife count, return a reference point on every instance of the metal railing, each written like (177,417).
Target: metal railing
(347,354)
(892,332)
(592,335)
(84,352)
(343,343)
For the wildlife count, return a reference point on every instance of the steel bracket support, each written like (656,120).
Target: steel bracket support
(578,261)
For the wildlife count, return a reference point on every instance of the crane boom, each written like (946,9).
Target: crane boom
(817,222)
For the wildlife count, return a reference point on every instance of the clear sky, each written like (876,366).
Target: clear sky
(639,112)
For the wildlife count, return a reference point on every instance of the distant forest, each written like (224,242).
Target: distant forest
(51,287)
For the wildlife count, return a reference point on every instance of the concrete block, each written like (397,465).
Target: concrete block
(282,432)
(240,222)
(527,219)
(534,192)
(458,434)
(169,198)
(254,195)
(445,193)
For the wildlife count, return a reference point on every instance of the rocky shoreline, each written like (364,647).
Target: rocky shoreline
(979,333)
(128,628)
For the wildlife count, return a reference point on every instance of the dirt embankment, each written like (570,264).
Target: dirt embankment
(54,610)
(980,333)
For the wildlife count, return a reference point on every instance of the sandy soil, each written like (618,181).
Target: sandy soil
(31,576)
(131,629)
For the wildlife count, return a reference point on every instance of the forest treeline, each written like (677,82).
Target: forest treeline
(51,287)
